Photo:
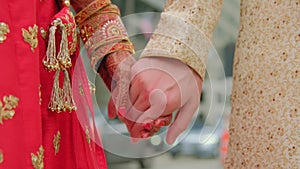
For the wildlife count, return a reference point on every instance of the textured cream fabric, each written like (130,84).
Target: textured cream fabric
(265,119)
(184,32)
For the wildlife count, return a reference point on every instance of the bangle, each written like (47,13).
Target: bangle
(109,49)
(122,46)
(103,33)
(104,27)
(90,10)
(101,20)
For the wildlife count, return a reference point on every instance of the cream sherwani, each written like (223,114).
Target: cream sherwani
(265,119)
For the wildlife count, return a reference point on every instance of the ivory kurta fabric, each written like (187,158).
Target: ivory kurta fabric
(184,32)
(265,119)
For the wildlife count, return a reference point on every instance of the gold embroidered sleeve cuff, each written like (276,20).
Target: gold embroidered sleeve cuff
(184,32)
(103,33)
(175,38)
(91,9)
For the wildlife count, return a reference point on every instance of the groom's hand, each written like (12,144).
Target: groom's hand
(159,87)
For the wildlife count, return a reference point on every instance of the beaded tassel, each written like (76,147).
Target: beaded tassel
(61,98)
(50,62)
(67,96)
(56,104)
(63,55)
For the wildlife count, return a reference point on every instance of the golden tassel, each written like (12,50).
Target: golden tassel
(50,62)
(63,55)
(56,103)
(61,98)
(67,96)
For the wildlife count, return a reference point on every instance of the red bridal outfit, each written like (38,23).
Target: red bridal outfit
(39,124)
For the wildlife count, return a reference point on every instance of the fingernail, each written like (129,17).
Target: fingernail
(147,126)
(160,123)
(170,141)
(122,112)
(145,135)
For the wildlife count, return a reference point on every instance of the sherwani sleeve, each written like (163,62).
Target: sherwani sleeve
(184,32)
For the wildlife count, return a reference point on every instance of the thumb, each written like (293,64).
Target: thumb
(181,122)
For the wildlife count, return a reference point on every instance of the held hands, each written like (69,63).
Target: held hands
(159,87)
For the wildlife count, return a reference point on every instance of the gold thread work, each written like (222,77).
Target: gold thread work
(38,159)
(56,142)
(30,36)
(7,107)
(4,30)
(87,135)
(1,157)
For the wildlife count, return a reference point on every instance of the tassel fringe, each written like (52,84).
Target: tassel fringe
(61,98)
(50,62)
(63,55)
(67,96)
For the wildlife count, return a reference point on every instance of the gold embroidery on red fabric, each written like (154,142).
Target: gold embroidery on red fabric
(43,33)
(40,95)
(1,157)
(30,36)
(86,32)
(38,159)
(7,107)
(92,87)
(87,135)
(71,30)
(81,92)
(4,29)
(66,3)
(56,142)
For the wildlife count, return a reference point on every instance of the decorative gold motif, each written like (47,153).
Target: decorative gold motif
(66,3)
(7,109)
(43,33)
(56,142)
(1,157)
(81,92)
(30,36)
(40,95)
(87,135)
(38,159)
(86,32)
(90,10)
(92,87)
(4,29)
(71,30)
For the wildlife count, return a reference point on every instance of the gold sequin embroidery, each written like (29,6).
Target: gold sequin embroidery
(38,159)
(1,157)
(40,95)
(7,107)
(67,3)
(4,29)
(30,36)
(71,30)
(43,33)
(92,87)
(87,135)
(81,92)
(56,142)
